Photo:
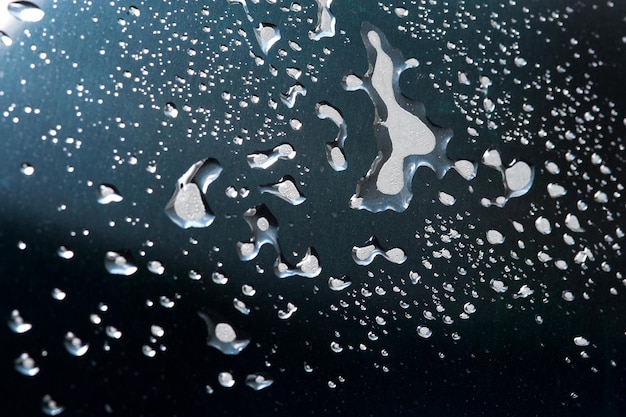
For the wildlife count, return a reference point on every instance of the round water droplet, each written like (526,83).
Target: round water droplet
(226,379)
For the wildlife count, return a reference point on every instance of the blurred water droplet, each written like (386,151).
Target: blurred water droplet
(51,407)
(170,110)
(107,194)
(258,381)
(5,39)
(17,323)
(187,206)
(27,169)
(25,11)
(120,263)
(65,253)
(74,345)
(26,365)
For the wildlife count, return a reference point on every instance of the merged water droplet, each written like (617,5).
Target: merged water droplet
(50,407)
(27,169)
(364,255)
(339,284)
(17,323)
(334,150)
(289,98)
(405,137)
(26,365)
(170,110)
(264,160)
(286,190)
(107,194)
(259,381)
(120,262)
(74,345)
(187,206)
(326,21)
(517,178)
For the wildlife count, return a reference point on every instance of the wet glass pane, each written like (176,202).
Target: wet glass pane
(267,207)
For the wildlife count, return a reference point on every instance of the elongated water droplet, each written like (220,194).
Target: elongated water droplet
(25,11)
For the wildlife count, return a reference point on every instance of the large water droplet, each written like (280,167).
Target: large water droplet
(25,11)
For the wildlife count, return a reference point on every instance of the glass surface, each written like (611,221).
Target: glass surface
(312,208)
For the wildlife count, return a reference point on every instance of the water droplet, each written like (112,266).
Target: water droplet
(524,292)
(581,341)
(289,98)
(65,253)
(266,35)
(74,345)
(156,267)
(325,27)
(187,206)
(27,169)
(148,351)
(25,11)
(120,263)
(338,284)
(226,379)
(286,314)
(498,286)
(556,190)
(405,136)
(108,194)
(517,177)
(5,39)
(264,160)
(17,323)
(248,290)
(334,149)
(219,278)
(446,199)
(26,365)
(223,336)
(495,237)
(543,225)
(58,294)
(241,306)
(286,190)
(258,381)
(170,110)
(401,12)
(51,407)
(113,332)
(364,255)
